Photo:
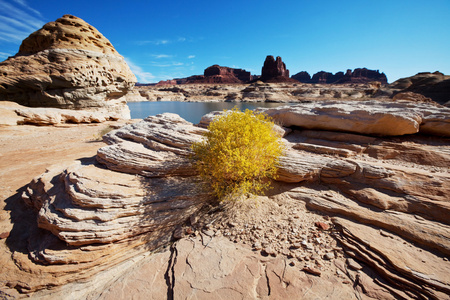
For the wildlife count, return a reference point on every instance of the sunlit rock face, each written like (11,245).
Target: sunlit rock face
(67,64)
(382,190)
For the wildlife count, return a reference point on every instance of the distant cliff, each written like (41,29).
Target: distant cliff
(214,74)
(359,75)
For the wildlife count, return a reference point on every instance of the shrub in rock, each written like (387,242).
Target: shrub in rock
(239,152)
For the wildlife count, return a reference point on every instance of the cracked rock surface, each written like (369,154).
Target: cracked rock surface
(205,267)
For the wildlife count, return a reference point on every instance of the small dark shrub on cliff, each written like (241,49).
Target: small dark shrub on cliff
(239,152)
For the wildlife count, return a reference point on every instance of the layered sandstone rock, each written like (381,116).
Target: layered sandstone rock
(387,193)
(67,64)
(367,117)
(90,218)
(15,114)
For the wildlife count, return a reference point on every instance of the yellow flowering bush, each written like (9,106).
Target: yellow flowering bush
(239,152)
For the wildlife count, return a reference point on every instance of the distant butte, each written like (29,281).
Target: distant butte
(359,75)
(274,70)
(214,74)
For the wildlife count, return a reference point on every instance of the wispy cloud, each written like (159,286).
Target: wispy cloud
(25,5)
(191,56)
(161,55)
(159,42)
(5,55)
(18,20)
(141,75)
(165,65)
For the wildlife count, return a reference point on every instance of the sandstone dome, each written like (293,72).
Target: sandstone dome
(68,64)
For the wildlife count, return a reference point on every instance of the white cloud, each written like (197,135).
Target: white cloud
(5,55)
(141,75)
(24,4)
(162,55)
(191,56)
(162,41)
(18,20)
(169,64)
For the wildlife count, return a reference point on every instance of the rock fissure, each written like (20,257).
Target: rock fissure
(169,275)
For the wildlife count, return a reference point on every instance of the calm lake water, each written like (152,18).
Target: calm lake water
(190,111)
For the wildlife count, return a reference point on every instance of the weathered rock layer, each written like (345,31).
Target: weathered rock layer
(67,64)
(386,187)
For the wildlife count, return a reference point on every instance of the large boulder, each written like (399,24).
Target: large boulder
(67,64)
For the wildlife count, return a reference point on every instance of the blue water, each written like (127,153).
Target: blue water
(190,111)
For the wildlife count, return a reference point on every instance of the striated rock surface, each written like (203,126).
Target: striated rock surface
(362,214)
(157,147)
(15,114)
(90,218)
(367,117)
(67,64)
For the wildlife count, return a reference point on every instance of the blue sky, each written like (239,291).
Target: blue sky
(170,39)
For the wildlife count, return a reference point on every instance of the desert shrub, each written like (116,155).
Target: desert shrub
(239,152)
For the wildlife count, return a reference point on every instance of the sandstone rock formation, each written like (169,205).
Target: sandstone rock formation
(67,64)
(274,70)
(15,114)
(431,85)
(370,117)
(224,72)
(359,75)
(214,74)
(359,211)
(134,214)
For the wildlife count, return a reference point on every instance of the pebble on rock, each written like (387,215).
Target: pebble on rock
(322,225)
(329,256)
(353,264)
(311,270)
